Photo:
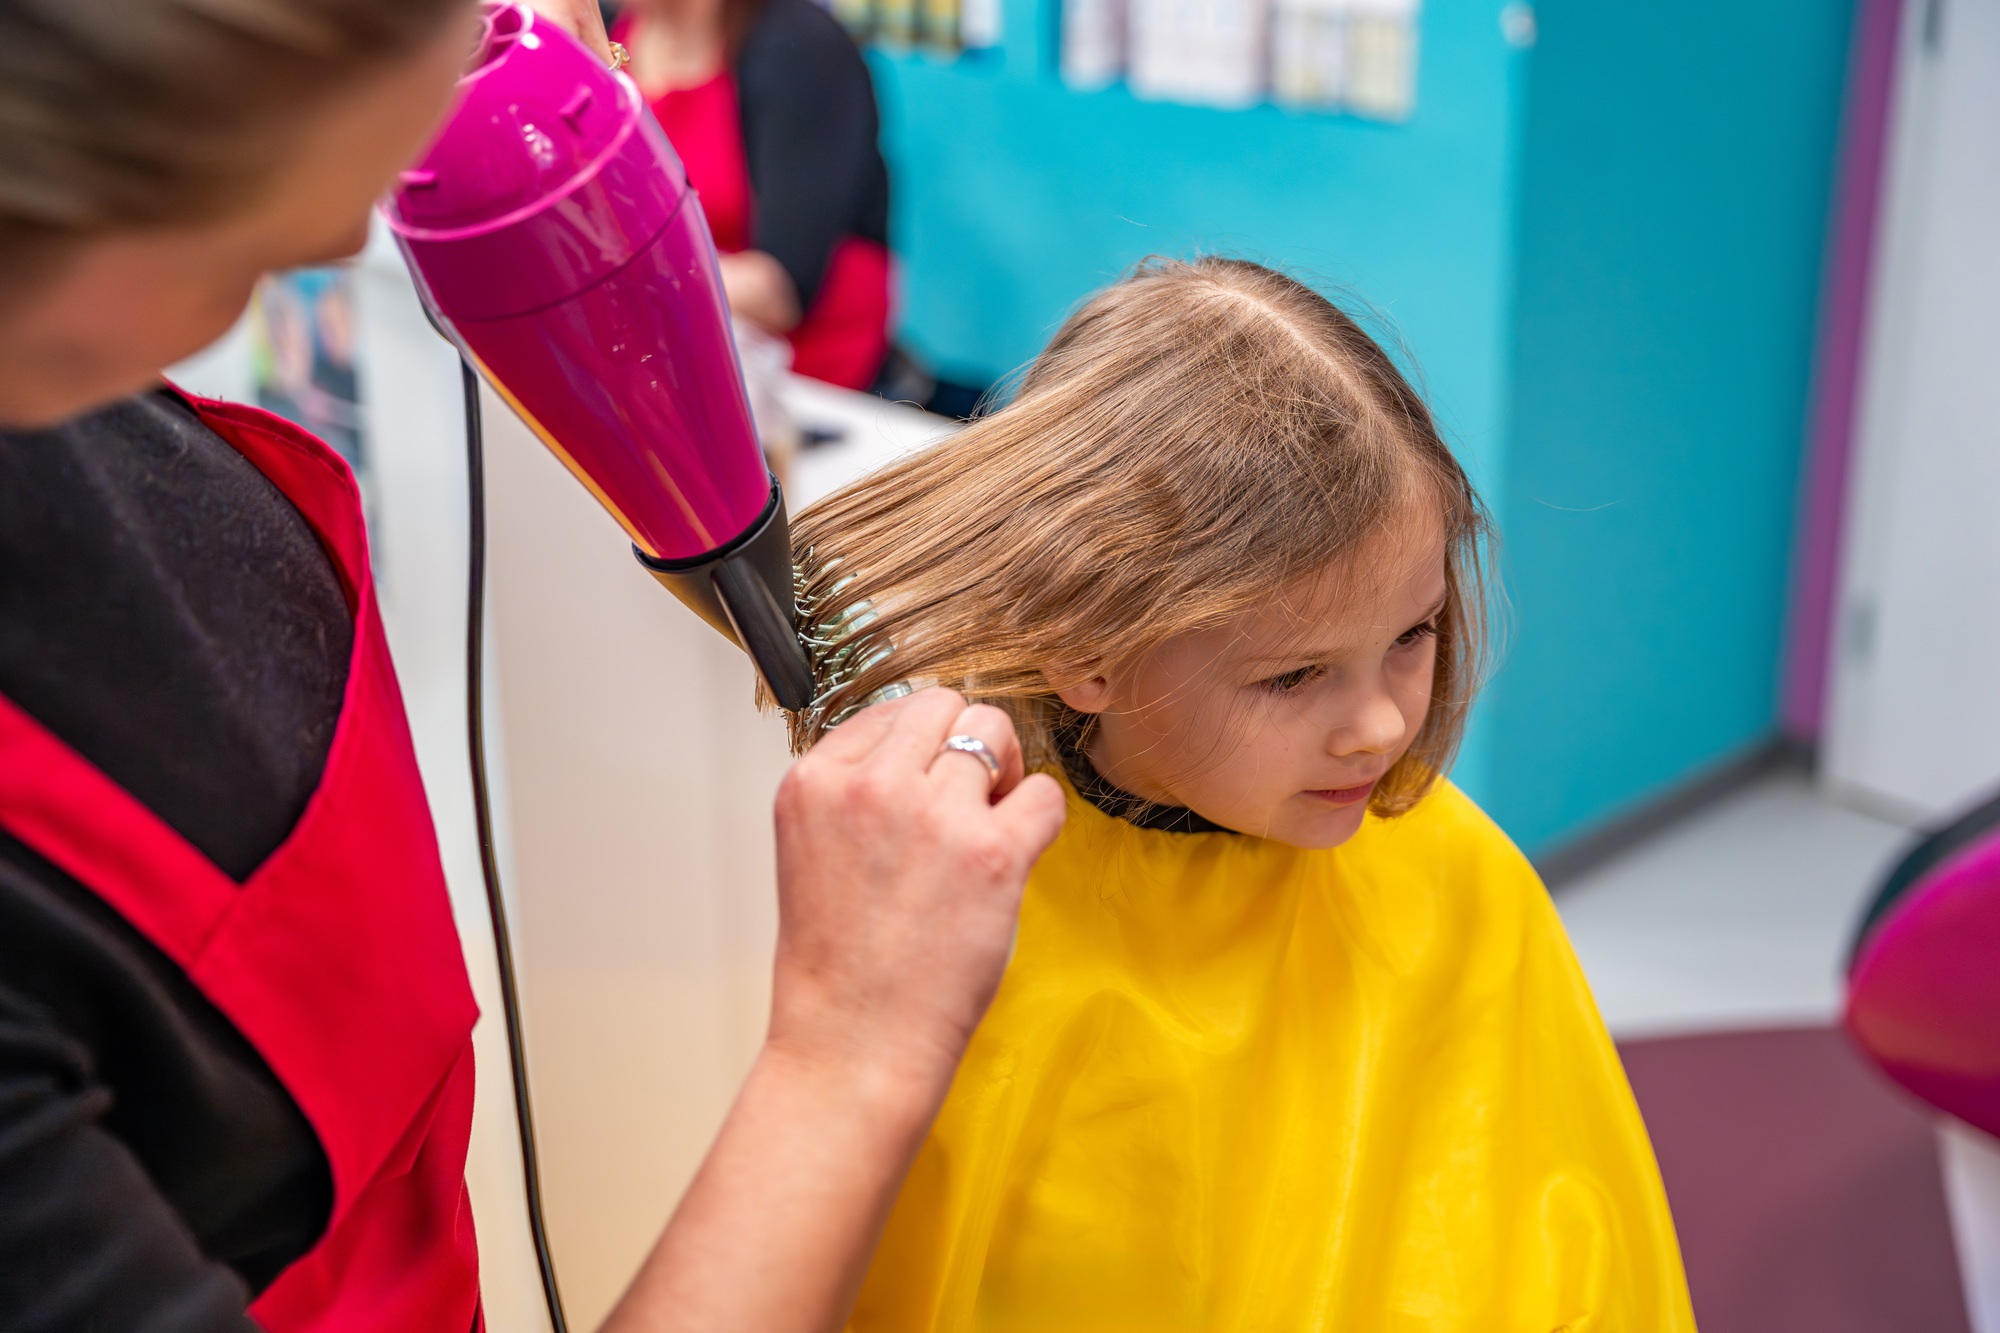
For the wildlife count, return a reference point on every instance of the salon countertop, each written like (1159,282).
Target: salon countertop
(848,436)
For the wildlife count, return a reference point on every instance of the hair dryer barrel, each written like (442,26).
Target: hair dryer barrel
(553,235)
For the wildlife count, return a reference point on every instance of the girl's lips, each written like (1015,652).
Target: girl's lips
(1345,795)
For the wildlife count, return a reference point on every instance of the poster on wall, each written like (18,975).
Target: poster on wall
(302,357)
(945,27)
(1352,56)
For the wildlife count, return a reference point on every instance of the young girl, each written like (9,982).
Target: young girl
(1292,1037)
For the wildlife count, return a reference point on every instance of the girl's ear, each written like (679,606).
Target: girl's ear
(1088,696)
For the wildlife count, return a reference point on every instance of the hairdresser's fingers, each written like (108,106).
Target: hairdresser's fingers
(581,19)
(1032,814)
(916,731)
(856,738)
(961,771)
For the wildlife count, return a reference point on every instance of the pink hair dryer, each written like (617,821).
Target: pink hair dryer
(554,238)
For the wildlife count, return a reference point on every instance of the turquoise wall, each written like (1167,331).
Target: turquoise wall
(1015,197)
(1675,187)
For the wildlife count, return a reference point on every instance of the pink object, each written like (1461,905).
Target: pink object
(552,229)
(1923,995)
(552,233)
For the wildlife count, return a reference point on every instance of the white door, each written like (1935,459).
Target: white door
(1914,727)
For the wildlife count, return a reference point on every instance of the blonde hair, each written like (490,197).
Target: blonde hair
(1194,439)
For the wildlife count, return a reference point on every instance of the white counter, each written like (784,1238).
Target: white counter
(857,433)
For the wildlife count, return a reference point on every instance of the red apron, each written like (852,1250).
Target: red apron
(338,959)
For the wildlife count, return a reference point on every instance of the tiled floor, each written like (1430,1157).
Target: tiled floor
(1741,917)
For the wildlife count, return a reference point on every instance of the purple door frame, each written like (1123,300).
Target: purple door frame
(1838,367)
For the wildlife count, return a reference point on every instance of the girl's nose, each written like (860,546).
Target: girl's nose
(1376,726)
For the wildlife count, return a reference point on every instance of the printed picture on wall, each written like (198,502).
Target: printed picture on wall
(302,355)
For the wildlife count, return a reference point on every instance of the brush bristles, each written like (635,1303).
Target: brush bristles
(838,647)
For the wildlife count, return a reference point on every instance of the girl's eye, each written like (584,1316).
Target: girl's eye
(1291,680)
(1426,630)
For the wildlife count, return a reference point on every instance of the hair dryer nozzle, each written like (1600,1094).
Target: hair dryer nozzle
(745,591)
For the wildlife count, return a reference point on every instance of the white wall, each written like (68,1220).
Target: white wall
(1914,726)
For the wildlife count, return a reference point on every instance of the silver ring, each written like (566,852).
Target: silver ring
(975,747)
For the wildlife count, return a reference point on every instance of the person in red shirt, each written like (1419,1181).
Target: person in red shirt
(770,106)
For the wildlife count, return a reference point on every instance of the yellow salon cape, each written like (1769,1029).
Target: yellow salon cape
(1232,1085)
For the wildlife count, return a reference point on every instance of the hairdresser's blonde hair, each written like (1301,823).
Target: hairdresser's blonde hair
(1194,438)
(131,114)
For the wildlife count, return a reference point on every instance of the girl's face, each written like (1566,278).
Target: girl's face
(1279,723)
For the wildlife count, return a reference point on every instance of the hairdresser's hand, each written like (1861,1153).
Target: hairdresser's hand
(900,868)
(582,19)
(899,876)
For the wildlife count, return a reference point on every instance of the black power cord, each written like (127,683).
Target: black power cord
(482,810)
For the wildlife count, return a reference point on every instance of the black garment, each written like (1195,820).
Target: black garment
(172,618)
(809,132)
(1116,801)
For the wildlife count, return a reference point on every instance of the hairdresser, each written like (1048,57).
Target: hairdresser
(771,109)
(235,1059)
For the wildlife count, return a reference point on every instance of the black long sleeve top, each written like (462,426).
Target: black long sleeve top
(810,128)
